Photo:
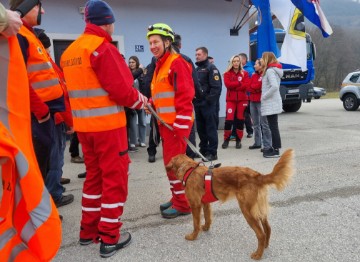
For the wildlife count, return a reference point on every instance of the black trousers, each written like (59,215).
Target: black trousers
(274,128)
(42,138)
(152,143)
(74,145)
(192,138)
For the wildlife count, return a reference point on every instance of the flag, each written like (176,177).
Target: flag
(293,49)
(266,39)
(313,12)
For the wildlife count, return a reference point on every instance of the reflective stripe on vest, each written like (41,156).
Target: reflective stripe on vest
(163,92)
(41,73)
(92,108)
(27,214)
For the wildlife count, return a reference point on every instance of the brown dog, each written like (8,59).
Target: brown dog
(246,185)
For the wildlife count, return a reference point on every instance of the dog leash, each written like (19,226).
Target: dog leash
(192,147)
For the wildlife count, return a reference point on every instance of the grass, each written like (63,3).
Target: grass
(331,95)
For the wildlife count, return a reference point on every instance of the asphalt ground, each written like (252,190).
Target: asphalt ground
(316,218)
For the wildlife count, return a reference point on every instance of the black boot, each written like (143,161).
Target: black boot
(238,144)
(225,144)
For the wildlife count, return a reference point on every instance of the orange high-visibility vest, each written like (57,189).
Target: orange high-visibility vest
(163,93)
(42,76)
(91,106)
(30,228)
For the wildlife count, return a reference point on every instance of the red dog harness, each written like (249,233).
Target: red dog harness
(209,195)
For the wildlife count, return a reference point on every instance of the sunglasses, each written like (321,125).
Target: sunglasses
(152,28)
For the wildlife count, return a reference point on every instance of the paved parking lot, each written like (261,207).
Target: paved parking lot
(316,218)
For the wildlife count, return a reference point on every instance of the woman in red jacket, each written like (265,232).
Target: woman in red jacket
(236,81)
(262,133)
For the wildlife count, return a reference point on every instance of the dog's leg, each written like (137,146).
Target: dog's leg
(207,215)
(267,230)
(196,212)
(255,225)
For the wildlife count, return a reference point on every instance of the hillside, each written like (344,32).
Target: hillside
(344,13)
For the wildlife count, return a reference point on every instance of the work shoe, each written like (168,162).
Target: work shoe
(250,135)
(211,157)
(82,175)
(238,145)
(85,241)
(65,200)
(151,158)
(77,160)
(271,153)
(165,206)
(133,149)
(64,181)
(254,147)
(225,144)
(107,250)
(172,213)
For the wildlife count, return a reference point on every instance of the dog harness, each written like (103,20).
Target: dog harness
(209,195)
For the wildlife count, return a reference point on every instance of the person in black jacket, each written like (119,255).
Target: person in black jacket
(206,105)
(154,136)
(198,92)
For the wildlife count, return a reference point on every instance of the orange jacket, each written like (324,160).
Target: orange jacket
(30,228)
(163,93)
(92,109)
(42,76)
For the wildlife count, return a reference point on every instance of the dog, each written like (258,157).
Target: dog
(248,186)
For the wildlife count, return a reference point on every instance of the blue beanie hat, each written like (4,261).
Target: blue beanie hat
(99,13)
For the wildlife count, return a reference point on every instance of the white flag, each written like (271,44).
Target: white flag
(293,50)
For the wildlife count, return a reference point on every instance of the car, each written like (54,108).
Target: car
(350,91)
(318,92)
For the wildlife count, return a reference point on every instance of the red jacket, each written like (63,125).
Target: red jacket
(255,87)
(236,84)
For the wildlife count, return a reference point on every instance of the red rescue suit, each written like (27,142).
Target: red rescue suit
(172,91)
(236,101)
(100,84)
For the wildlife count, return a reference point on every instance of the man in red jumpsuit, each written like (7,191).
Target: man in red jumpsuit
(100,85)
(172,92)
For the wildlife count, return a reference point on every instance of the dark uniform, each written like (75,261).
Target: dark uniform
(206,108)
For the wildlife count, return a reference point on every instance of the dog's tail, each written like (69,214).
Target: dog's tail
(282,172)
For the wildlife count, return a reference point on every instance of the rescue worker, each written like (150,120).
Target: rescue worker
(100,85)
(30,205)
(46,94)
(172,91)
(236,81)
(206,106)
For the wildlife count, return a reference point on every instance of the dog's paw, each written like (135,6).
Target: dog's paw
(191,236)
(205,227)
(256,256)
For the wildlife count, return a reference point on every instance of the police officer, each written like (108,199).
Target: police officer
(205,106)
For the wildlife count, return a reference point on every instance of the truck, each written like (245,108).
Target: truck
(296,85)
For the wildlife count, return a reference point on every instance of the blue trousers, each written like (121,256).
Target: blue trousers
(56,163)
